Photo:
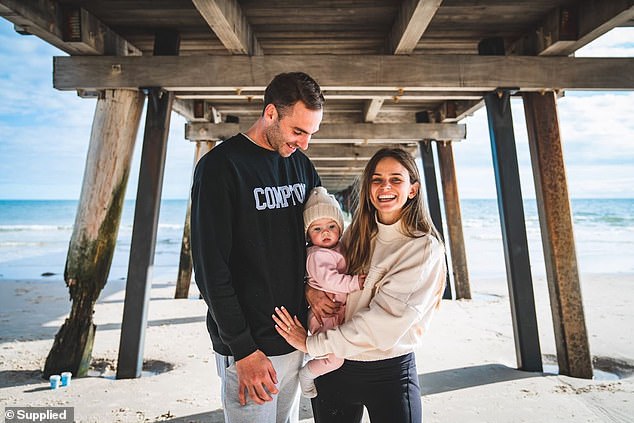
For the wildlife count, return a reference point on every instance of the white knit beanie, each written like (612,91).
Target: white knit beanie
(320,205)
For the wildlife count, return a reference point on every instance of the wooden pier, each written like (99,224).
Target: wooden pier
(394,73)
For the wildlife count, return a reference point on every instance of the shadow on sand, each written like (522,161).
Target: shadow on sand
(217,416)
(99,367)
(468,377)
(9,378)
(431,383)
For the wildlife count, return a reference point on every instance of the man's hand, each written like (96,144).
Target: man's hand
(257,375)
(362,280)
(321,303)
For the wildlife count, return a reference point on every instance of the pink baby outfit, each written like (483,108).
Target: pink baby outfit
(327,270)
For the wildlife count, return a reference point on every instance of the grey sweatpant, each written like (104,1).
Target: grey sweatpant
(285,405)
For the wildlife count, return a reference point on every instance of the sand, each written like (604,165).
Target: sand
(467,363)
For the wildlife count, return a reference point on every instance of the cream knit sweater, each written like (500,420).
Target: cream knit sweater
(402,290)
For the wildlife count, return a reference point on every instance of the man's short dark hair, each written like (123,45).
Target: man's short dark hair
(286,89)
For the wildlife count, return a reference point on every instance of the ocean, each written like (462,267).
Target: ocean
(34,236)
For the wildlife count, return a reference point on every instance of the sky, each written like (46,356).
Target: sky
(44,133)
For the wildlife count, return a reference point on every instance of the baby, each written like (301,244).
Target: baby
(326,267)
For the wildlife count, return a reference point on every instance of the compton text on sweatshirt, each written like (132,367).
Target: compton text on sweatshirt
(248,243)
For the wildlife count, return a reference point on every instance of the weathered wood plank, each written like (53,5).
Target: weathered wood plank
(344,163)
(555,217)
(413,19)
(455,111)
(465,72)
(512,221)
(137,292)
(385,132)
(433,200)
(338,170)
(185,263)
(371,109)
(451,200)
(566,29)
(352,93)
(92,243)
(54,24)
(146,214)
(226,19)
(194,110)
(345,151)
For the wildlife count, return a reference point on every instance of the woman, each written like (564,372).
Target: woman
(393,241)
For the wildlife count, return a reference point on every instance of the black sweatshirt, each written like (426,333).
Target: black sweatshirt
(248,243)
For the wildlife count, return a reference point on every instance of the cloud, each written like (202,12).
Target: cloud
(598,128)
(600,181)
(597,133)
(615,43)
(44,133)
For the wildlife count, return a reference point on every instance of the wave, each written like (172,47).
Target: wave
(165,226)
(69,228)
(607,220)
(38,228)
(22,244)
(169,241)
(487,237)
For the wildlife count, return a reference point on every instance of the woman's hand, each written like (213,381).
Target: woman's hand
(290,329)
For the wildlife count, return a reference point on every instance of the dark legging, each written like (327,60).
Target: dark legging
(387,388)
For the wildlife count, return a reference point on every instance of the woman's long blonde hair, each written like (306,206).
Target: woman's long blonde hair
(415,220)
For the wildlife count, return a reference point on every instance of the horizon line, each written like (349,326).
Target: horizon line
(185,198)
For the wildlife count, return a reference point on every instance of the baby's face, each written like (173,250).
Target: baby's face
(324,233)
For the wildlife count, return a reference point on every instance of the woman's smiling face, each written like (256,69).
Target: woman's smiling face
(390,188)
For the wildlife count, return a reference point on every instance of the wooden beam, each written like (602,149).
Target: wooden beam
(451,200)
(351,93)
(433,200)
(230,25)
(193,110)
(512,221)
(338,183)
(411,22)
(371,109)
(334,174)
(146,215)
(337,170)
(92,244)
(567,29)
(597,18)
(454,111)
(555,218)
(453,72)
(72,29)
(340,179)
(346,163)
(363,132)
(360,151)
(184,276)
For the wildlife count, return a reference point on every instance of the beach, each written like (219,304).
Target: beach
(467,364)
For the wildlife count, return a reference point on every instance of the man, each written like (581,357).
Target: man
(248,249)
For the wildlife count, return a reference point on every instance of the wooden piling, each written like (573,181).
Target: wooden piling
(511,208)
(92,244)
(146,215)
(183,280)
(433,200)
(555,217)
(454,220)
